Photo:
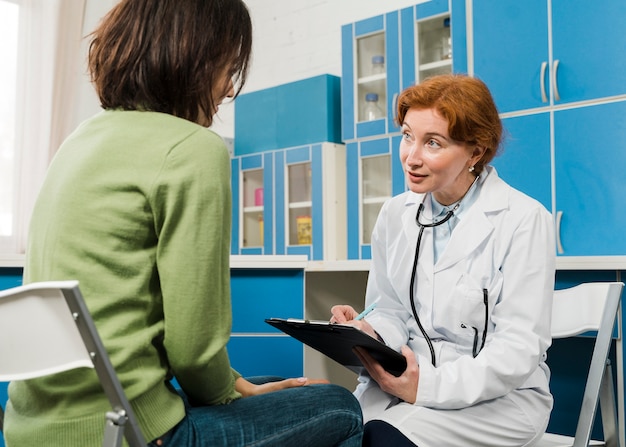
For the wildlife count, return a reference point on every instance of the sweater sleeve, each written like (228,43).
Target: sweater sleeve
(192,209)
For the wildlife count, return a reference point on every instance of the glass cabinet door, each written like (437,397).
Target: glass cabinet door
(299,224)
(252,208)
(371,78)
(434,46)
(376,188)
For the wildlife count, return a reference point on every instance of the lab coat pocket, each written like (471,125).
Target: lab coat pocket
(475,305)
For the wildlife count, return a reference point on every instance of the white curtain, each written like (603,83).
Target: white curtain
(51,63)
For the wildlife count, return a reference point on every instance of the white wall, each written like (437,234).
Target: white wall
(298,39)
(293,40)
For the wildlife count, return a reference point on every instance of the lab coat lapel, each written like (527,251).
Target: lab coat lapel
(475,226)
(471,231)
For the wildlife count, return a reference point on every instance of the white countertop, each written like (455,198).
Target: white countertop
(301,262)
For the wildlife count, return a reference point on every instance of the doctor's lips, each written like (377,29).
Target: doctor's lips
(416,175)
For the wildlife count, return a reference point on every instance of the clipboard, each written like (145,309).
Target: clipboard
(337,341)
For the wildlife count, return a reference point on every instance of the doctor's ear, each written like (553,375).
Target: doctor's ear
(478,152)
(477,155)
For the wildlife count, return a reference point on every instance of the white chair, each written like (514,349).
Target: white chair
(583,308)
(45,328)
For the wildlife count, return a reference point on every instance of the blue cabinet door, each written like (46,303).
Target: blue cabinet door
(252,219)
(408,51)
(285,223)
(510,50)
(590,165)
(255,347)
(589,43)
(355,78)
(368,187)
(525,160)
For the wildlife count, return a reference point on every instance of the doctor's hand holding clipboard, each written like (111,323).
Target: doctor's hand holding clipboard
(403,386)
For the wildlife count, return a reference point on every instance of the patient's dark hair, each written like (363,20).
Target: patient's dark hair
(168,55)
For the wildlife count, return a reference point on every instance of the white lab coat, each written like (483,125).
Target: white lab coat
(504,243)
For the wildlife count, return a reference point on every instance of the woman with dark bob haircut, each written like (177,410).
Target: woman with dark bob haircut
(136,205)
(463,276)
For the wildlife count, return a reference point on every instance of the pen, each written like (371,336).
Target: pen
(367,310)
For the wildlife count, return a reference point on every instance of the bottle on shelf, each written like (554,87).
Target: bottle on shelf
(446,40)
(378,64)
(372,110)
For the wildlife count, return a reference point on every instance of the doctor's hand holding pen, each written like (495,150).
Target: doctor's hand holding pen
(345,314)
(403,386)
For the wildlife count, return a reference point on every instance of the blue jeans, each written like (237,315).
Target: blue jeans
(308,416)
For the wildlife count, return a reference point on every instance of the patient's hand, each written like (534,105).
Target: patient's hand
(250,389)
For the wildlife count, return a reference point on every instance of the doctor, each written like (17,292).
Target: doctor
(462,274)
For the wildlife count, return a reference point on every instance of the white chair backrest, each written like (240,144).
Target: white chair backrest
(581,308)
(35,319)
(46,328)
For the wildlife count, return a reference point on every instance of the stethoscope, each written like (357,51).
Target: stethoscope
(421,225)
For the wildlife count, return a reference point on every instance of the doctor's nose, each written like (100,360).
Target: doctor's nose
(414,156)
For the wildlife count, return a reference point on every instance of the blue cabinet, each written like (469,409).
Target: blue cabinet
(374,174)
(290,202)
(590,163)
(288,171)
(364,43)
(256,348)
(586,185)
(538,53)
(526,163)
(311,201)
(561,92)
(252,184)
(415,42)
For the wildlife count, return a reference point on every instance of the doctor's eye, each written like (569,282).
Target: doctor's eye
(432,144)
(406,135)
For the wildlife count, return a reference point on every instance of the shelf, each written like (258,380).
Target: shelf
(298,205)
(372,78)
(268,261)
(253,209)
(375,200)
(436,64)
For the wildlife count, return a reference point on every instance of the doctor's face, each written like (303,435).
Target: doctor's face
(431,160)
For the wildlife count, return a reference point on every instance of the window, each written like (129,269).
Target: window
(40,78)
(9,16)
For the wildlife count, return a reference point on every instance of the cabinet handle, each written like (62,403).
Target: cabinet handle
(555,84)
(542,80)
(394,113)
(559,246)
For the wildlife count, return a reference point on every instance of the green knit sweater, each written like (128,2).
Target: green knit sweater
(137,207)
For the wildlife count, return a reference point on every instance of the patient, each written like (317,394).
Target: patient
(136,205)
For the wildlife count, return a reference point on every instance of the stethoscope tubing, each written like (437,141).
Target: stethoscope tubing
(431,348)
(414,272)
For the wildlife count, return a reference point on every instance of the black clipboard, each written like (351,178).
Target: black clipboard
(337,342)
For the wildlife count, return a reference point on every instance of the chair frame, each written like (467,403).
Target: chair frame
(120,421)
(599,388)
